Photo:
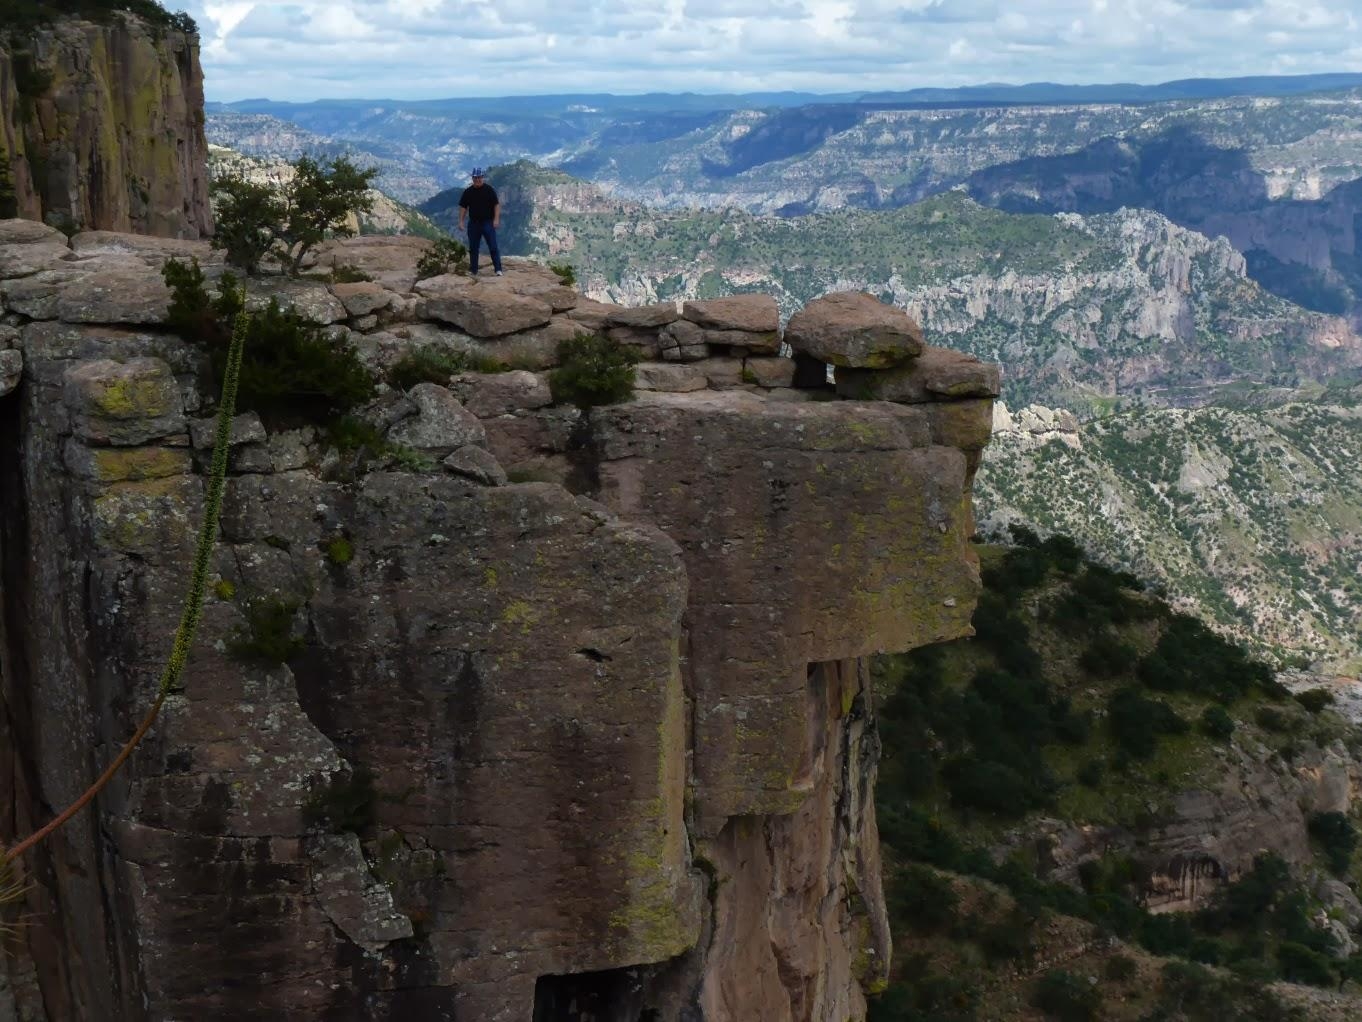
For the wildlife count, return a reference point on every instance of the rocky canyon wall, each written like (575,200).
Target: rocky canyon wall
(101,128)
(574,724)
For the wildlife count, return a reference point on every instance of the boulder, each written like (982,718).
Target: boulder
(389,259)
(770,372)
(937,374)
(591,314)
(476,464)
(123,403)
(682,341)
(852,328)
(668,378)
(490,394)
(722,373)
(659,314)
(29,232)
(530,349)
(749,313)
(441,424)
(488,311)
(363,298)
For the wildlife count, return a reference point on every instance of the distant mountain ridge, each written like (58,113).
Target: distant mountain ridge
(1031,92)
(1092,313)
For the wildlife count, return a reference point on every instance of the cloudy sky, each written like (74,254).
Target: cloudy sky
(412,49)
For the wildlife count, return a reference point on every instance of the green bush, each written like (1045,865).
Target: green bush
(267,637)
(1067,997)
(347,802)
(292,371)
(1107,656)
(1270,718)
(593,371)
(1315,699)
(921,899)
(427,364)
(1217,723)
(447,255)
(1300,964)
(567,276)
(1136,722)
(1338,838)
(1191,658)
(1120,969)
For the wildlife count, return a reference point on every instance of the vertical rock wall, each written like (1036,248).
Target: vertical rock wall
(599,747)
(101,128)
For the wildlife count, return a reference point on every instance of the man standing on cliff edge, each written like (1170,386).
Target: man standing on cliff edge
(480,208)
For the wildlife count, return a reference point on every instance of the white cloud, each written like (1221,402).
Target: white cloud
(307,49)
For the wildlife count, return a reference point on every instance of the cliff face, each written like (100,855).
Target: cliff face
(102,128)
(595,746)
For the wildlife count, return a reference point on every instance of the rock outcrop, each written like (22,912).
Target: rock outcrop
(575,715)
(101,127)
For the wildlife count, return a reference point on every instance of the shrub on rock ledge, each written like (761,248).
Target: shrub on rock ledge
(446,256)
(593,370)
(291,371)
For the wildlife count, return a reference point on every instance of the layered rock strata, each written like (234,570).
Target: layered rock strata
(574,720)
(101,127)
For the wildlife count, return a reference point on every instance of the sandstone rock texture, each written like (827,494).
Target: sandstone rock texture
(576,709)
(114,138)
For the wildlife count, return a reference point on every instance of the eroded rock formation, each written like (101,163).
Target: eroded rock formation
(594,743)
(101,128)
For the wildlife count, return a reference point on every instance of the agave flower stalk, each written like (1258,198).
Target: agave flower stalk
(11,889)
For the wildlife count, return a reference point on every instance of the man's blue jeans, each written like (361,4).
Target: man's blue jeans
(477,230)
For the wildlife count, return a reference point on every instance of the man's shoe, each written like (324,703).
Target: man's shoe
(498,273)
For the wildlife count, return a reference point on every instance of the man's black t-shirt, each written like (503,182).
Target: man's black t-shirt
(479,201)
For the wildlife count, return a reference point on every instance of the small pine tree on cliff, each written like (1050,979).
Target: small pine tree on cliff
(253,219)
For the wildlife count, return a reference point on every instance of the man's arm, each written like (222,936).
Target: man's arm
(496,216)
(463,215)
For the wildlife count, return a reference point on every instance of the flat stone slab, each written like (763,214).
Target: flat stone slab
(767,343)
(363,298)
(246,429)
(487,395)
(151,250)
(854,329)
(488,312)
(136,296)
(24,259)
(770,372)
(307,298)
(757,314)
(29,232)
(668,378)
(938,374)
(659,314)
